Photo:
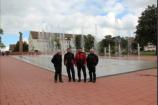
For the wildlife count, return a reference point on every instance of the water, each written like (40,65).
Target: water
(105,67)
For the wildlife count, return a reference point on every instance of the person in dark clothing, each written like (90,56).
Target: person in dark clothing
(69,63)
(92,61)
(80,61)
(3,53)
(57,61)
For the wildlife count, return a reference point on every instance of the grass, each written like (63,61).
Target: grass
(147,53)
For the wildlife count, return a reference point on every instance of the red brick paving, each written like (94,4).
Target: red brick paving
(25,84)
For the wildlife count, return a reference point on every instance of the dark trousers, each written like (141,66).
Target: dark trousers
(79,72)
(92,73)
(58,71)
(70,71)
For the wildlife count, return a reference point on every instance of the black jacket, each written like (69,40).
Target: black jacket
(57,60)
(69,59)
(92,59)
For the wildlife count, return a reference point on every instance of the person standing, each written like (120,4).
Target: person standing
(92,61)
(57,61)
(69,63)
(80,62)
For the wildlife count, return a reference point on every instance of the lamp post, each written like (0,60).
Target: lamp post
(82,40)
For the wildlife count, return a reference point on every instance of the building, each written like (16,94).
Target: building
(48,42)
(150,47)
(12,47)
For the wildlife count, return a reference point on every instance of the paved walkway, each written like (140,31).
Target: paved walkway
(25,84)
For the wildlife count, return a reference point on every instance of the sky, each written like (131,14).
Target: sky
(96,17)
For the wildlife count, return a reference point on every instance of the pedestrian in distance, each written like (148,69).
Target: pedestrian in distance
(57,61)
(3,53)
(69,63)
(80,62)
(92,61)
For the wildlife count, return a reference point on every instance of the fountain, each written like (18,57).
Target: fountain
(109,51)
(105,51)
(119,47)
(105,67)
(82,40)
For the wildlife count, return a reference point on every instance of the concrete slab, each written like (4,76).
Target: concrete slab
(105,67)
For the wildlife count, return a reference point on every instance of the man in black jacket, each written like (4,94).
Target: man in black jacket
(92,61)
(69,63)
(57,61)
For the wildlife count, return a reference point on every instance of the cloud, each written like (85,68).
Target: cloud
(137,6)
(73,16)
(5,49)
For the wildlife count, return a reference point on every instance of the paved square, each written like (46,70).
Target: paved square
(24,84)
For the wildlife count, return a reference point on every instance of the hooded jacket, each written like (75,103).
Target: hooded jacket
(80,59)
(92,59)
(69,59)
(57,60)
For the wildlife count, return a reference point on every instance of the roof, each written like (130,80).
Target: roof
(34,34)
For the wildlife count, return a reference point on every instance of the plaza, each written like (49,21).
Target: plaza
(26,84)
(121,33)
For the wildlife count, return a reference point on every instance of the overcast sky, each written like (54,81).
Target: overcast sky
(101,17)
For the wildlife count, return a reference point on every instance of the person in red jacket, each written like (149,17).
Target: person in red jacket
(80,62)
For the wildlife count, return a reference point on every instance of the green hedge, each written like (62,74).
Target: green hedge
(147,53)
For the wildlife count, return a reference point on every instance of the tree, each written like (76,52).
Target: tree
(78,41)
(25,47)
(124,45)
(105,42)
(146,30)
(114,42)
(1,31)
(89,42)
(2,45)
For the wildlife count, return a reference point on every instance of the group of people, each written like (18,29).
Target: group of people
(80,60)
(4,53)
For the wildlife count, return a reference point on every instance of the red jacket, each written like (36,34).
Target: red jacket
(80,59)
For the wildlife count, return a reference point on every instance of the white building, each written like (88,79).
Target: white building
(49,42)
(150,47)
